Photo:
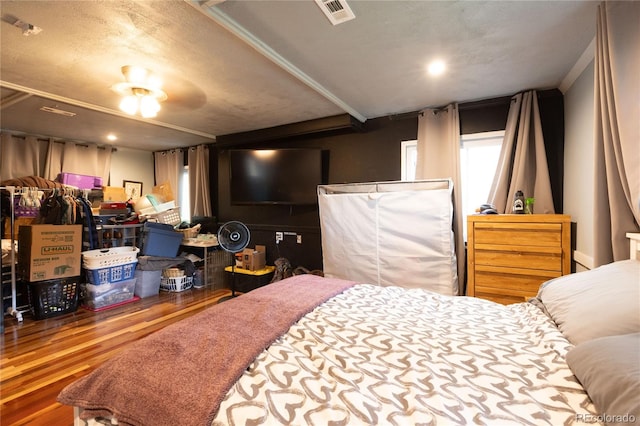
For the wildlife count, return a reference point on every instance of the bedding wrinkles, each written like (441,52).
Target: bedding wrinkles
(384,355)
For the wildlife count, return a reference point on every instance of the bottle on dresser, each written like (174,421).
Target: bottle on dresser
(518,203)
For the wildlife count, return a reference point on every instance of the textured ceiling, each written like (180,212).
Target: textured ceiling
(219,81)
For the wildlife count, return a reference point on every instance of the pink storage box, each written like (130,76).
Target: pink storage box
(80,181)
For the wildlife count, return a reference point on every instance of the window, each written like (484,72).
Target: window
(185,210)
(479,154)
(408,159)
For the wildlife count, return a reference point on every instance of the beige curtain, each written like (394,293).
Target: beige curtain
(616,133)
(82,159)
(199,194)
(438,152)
(30,156)
(523,162)
(169,167)
(21,156)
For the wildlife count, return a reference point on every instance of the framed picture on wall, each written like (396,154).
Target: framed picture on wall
(132,189)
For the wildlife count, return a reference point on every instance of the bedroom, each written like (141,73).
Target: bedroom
(578,101)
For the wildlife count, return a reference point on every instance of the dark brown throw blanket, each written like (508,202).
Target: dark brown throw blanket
(180,374)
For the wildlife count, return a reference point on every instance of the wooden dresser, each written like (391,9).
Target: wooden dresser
(510,255)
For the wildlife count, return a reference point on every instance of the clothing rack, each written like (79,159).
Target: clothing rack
(19,191)
(13,309)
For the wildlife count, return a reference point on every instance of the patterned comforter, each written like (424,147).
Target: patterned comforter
(386,355)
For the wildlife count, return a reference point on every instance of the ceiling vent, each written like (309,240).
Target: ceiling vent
(57,111)
(338,11)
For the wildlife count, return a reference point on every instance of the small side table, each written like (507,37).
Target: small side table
(246,280)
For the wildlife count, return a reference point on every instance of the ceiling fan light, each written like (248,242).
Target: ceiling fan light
(149,106)
(141,91)
(129,104)
(154,82)
(135,75)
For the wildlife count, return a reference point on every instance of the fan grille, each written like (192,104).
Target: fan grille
(234,236)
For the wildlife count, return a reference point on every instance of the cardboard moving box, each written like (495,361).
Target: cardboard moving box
(47,252)
(254,259)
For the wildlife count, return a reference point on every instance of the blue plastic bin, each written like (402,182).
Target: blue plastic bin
(111,274)
(160,239)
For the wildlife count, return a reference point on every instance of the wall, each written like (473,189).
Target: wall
(132,164)
(372,154)
(579,164)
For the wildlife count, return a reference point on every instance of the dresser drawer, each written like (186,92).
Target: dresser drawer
(539,258)
(504,282)
(519,234)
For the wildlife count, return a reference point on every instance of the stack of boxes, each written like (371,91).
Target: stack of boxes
(163,241)
(49,261)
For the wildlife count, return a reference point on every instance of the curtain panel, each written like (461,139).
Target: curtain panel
(438,156)
(199,192)
(29,156)
(617,130)
(21,156)
(522,164)
(82,159)
(169,167)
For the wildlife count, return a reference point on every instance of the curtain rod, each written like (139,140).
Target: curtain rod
(83,144)
(461,107)
(86,145)
(187,148)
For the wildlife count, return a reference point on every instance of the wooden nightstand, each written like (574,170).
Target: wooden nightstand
(509,256)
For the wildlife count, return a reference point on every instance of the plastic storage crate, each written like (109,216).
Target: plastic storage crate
(147,283)
(102,258)
(176,284)
(159,239)
(111,274)
(51,298)
(104,295)
(80,181)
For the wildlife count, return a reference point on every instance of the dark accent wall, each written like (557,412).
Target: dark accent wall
(366,153)
(369,153)
(484,116)
(551,104)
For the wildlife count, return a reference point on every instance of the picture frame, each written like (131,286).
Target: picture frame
(132,189)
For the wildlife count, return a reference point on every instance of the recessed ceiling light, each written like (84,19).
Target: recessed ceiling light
(436,67)
(112,137)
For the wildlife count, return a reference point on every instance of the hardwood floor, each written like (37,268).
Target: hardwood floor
(41,357)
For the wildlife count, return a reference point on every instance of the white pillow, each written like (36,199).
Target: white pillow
(604,301)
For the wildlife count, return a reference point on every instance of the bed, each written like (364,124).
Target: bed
(313,350)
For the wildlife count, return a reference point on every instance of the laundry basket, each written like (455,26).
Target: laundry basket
(176,284)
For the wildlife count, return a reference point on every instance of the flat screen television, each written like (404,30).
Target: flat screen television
(275,176)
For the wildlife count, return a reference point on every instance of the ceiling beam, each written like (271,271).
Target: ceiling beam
(343,122)
(243,34)
(14,98)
